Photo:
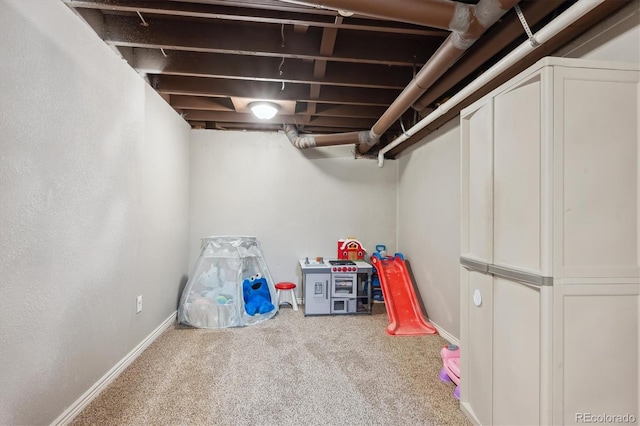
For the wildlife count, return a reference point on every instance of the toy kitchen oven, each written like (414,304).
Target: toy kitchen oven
(335,287)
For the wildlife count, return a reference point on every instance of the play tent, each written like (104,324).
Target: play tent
(213,296)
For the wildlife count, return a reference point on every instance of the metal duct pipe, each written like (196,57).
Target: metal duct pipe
(310,141)
(568,17)
(534,11)
(466,22)
(485,14)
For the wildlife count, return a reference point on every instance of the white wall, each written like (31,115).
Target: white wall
(296,202)
(429,222)
(614,39)
(93,209)
(429,191)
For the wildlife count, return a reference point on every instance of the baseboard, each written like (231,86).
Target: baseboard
(70,413)
(444,333)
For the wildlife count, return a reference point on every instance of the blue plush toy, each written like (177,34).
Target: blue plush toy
(257,298)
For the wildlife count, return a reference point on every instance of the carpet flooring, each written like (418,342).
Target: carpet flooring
(289,370)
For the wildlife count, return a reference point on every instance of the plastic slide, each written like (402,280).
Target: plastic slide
(403,308)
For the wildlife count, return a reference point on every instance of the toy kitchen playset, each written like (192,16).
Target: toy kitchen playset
(337,286)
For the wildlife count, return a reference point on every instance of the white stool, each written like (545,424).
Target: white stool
(285,293)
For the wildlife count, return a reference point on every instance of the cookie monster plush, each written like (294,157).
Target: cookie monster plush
(257,298)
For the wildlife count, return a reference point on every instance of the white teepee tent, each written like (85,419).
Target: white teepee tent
(212,297)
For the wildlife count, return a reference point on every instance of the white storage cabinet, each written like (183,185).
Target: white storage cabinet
(549,246)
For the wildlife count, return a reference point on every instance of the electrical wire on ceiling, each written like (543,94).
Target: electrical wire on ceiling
(146,24)
(280,73)
(404,132)
(280,67)
(143,23)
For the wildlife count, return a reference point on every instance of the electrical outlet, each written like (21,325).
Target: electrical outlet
(138,304)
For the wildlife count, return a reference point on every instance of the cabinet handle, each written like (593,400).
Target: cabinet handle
(512,274)
(326,286)
(474,265)
(477,298)
(508,273)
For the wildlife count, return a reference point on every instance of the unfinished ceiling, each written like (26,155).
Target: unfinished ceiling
(330,71)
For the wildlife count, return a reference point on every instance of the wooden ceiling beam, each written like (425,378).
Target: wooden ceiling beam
(261,40)
(320,65)
(239,67)
(230,13)
(213,87)
(355,111)
(236,117)
(201,102)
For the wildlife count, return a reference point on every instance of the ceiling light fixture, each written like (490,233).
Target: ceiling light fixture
(264,110)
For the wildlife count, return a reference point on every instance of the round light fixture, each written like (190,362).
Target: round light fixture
(264,110)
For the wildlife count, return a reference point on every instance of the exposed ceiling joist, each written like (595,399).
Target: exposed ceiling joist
(329,72)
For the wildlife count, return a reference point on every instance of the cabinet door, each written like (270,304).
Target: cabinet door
(596,167)
(516,353)
(316,294)
(597,334)
(475,339)
(519,209)
(476,203)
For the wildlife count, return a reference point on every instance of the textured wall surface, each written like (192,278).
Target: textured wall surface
(296,202)
(429,223)
(93,209)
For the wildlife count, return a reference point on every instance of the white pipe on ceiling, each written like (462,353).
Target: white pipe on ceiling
(546,33)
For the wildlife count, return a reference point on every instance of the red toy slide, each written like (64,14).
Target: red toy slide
(403,308)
